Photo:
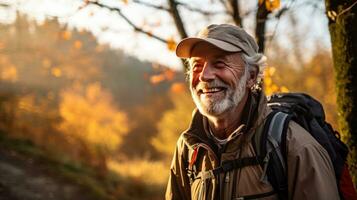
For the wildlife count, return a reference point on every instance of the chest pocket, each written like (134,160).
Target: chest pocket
(202,183)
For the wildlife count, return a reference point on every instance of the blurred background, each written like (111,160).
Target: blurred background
(93,99)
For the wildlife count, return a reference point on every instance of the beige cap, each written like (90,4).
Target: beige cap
(227,37)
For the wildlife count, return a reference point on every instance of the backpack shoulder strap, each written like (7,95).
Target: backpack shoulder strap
(271,143)
(276,135)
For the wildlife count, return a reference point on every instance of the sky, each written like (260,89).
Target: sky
(109,28)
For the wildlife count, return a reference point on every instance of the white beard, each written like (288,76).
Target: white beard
(215,107)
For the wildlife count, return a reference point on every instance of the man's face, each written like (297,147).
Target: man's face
(217,79)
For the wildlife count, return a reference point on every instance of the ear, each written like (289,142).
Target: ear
(252,77)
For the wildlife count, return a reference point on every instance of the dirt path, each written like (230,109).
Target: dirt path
(22,178)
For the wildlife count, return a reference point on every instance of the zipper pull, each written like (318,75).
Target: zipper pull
(226,179)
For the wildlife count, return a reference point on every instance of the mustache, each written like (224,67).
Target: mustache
(212,84)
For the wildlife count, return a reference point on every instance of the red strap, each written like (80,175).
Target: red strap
(193,157)
(346,185)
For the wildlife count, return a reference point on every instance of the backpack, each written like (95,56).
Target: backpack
(308,113)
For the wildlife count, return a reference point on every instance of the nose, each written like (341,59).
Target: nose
(207,73)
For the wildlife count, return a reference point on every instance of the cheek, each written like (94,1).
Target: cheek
(194,79)
(234,76)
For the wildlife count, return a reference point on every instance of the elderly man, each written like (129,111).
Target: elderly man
(224,68)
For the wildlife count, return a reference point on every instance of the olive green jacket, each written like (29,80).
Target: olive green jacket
(310,171)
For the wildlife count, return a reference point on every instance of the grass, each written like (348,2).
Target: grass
(126,180)
(69,170)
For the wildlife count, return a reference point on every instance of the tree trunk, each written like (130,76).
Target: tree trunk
(234,11)
(261,19)
(342,15)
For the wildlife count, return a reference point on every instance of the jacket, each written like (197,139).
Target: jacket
(309,168)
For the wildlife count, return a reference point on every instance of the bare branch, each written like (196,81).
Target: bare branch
(4,5)
(136,28)
(151,5)
(204,12)
(177,18)
(185,5)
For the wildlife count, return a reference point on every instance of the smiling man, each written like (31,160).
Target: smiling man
(225,67)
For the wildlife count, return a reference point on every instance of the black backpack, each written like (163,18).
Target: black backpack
(308,113)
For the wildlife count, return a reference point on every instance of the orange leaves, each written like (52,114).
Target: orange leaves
(9,73)
(77,44)
(270,5)
(167,74)
(56,72)
(171,44)
(155,79)
(2,45)
(178,88)
(66,35)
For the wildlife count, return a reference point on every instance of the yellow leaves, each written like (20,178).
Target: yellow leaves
(56,72)
(77,44)
(171,44)
(268,81)
(93,91)
(269,85)
(126,2)
(9,73)
(89,114)
(284,89)
(173,123)
(66,35)
(138,168)
(332,15)
(317,70)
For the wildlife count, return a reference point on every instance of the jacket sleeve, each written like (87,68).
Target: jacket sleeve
(310,170)
(178,186)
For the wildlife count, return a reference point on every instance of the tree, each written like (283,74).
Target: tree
(231,9)
(173,122)
(343,30)
(90,118)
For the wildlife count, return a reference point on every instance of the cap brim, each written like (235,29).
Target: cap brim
(184,48)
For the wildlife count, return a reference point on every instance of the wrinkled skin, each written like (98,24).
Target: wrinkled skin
(219,83)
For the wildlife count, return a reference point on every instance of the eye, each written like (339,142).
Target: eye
(220,64)
(197,67)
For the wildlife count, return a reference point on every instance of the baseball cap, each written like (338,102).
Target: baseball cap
(227,37)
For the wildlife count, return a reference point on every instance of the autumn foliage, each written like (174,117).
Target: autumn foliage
(88,104)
